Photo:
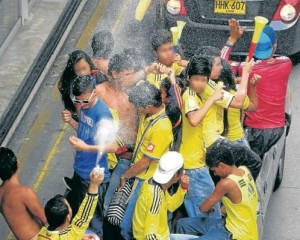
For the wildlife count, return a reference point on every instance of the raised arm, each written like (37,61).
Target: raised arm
(241,93)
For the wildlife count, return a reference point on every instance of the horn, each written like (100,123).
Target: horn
(141,9)
(175,33)
(260,23)
(180,25)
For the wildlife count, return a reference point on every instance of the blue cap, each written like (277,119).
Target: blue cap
(264,48)
(269,31)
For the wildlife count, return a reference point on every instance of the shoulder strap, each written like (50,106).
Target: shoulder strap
(152,122)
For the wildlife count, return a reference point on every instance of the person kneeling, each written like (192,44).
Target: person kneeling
(150,219)
(59,213)
(237,191)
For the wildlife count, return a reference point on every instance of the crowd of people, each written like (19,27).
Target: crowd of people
(191,140)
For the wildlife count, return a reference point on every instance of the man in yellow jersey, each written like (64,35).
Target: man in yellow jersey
(192,144)
(59,214)
(154,138)
(237,191)
(150,219)
(161,41)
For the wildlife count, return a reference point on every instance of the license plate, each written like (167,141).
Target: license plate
(230,6)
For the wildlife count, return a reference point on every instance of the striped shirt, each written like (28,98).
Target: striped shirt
(79,225)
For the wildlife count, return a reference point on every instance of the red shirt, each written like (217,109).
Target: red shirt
(271,93)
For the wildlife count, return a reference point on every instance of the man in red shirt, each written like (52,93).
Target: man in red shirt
(265,126)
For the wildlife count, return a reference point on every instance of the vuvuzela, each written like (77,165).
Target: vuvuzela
(260,23)
(142,9)
(180,25)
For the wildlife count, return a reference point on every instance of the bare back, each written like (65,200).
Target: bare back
(18,213)
(118,100)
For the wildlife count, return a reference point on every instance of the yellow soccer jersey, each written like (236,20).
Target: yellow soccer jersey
(157,141)
(213,125)
(150,218)
(79,224)
(192,145)
(241,218)
(155,79)
(235,129)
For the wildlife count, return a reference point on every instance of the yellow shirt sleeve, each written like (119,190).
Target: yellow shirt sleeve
(178,69)
(246,103)
(210,89)
(83,217)
(175,201)
(160,139)
(191,102)
(152,219)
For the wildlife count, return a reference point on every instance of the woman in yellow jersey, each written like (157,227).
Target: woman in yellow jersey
(233,129)
(238,193)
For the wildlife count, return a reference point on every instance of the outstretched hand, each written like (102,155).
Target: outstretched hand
(236,31)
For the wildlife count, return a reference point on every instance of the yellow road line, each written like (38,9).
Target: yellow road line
(28,143)
(40,121)
(50,156)
(91,25)
(120,15)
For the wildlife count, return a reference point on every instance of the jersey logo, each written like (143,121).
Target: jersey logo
(151,147)
(242,183)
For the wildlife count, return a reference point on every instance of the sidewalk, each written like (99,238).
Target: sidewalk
(19,56)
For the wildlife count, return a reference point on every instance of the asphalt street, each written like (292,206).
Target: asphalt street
(41,140)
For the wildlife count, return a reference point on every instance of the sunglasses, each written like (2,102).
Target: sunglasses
(85,101)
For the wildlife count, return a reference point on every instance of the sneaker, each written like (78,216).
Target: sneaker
(68,183)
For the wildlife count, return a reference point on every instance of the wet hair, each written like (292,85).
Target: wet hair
(82,84)
(160,37)
(136,56)
(119,62)
(198,65)
(219,153)
(56,211)
(227,77)
(102,44)
(8,163)
(166,84)
(208,51)
(69,76)
(144,94)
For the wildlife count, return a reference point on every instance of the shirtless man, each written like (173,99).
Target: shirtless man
(19,204)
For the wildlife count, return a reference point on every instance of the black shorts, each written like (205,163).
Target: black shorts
(261,140)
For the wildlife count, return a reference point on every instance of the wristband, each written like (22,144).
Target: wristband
(184,186)
(121,150)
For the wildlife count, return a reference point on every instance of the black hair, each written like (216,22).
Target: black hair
(227,77)
(199,65)
(219,153)
(69,76)
(102,44)
(136,56)
(159,38)
(8,163)
(56,211)
(120,62)
(82,84)
(166,84)
(144,94)
(208,51)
